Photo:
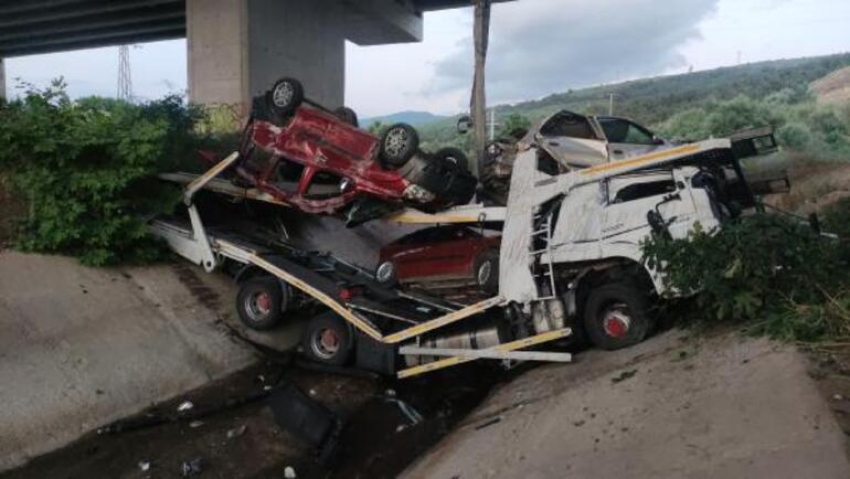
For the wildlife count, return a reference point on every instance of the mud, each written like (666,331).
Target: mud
(230,432)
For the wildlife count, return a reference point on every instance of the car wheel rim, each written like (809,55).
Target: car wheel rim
(283,94)
(396,141)
(616,321)
(258,306)
(326,343)
(484,272)
(385,272)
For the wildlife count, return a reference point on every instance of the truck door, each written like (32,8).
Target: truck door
(627,139)
(572,140)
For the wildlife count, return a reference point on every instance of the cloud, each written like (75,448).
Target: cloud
(539,47)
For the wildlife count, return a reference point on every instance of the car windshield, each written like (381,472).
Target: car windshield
(618,130)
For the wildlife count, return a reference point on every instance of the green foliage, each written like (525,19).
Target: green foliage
(86,170)
(512,124)
(762,267)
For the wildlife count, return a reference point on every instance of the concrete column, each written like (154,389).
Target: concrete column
(238,48)
(2,79)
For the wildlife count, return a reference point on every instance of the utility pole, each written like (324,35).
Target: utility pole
(492,123)
(478,102)
(125,79)
(611,103)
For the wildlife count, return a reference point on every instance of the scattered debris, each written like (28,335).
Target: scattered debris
(191,468)
(306,419)
(185,406)
(195,424)
(838,397)
(237,431)
(289,473)
(623,376)
(412,414)
(144,466)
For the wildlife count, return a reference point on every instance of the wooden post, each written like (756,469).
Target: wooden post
(478,103)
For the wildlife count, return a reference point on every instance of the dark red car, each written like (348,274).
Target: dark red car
(319,161)
(442,257)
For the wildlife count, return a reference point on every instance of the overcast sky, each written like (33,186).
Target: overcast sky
(538,47)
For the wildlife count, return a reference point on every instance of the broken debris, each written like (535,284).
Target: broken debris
(185,406)
(191,468)
(289,473)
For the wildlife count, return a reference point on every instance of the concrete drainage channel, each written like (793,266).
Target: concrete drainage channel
(252,425)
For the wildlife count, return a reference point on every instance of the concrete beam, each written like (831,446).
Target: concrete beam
(147,31)
(378,22)
(75,11)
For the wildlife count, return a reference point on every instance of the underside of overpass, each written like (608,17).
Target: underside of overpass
(236,47)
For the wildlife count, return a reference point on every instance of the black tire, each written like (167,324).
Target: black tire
(286,95)
(259,303)
(348,116)
(487,272)
(398,144)
(616,316)
(454,155)
(328,340)
(451,185)
(385,274)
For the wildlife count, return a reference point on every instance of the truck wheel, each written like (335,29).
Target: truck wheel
(328,340)
(286,95)
(487,272)
(454,155)
(259,303)
(398,144)
(347,115)
(616,316)
(386,273)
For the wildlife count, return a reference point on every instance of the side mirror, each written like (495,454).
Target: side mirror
(464,124)
(657,140)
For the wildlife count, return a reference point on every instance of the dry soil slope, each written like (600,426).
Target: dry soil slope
(833,88)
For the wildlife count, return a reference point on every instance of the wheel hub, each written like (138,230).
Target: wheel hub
(396,141)
(484,273)
(326,343)
(283,95)
(259,306)
(616,322)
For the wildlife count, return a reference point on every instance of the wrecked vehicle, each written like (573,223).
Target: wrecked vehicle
(569,261)
(574,141)
(319,161)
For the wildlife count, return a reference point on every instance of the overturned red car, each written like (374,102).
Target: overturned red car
(319,161)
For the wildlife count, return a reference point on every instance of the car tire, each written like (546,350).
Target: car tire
(348,116)
(616,316)
(385,274)
(398,144)
(487,272)
(286,95)
(259,303)
(454,155)
(328,340)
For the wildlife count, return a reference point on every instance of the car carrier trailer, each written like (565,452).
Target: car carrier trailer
(570,255)
(387,322)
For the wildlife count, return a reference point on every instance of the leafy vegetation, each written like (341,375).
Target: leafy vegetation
(774,273)
(85,168)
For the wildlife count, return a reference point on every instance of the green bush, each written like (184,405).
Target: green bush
(762,267)
(86,169)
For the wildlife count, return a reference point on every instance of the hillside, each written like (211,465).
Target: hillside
(833,88)
(652,101)
(414,118)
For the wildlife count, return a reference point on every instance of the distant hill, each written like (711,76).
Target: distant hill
(834,88)
(652,101)
(415,118)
